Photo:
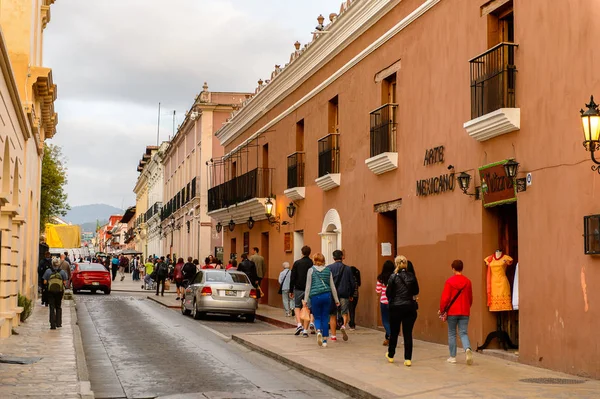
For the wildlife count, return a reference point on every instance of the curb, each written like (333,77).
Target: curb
(85,387)
(165,305)
(339,385)
(275,322)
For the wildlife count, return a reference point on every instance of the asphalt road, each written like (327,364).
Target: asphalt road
(136,348)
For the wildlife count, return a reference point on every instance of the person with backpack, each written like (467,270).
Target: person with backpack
(178,277)
(345,286)
(114,262)
(44,265)
(455,308)
(189,271)
(284,289)
(55,279)
(162,272)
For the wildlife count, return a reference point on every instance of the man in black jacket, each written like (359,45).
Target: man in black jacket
(298,285)
(345,286)
(249,268)
(44,265)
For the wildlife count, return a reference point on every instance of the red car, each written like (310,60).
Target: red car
(90,276)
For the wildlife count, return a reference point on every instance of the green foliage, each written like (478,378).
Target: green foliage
(27,305)
(54,179)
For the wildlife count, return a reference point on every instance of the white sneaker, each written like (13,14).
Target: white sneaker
(344,333)
(324,344)
(469,354)
(451,360)
(319,338)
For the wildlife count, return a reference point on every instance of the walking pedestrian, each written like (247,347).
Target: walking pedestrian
(319,290)
(189,271)
(162,271)
(354,297)
(178,277)
(64,265)
(207,264)
(135,267)
(148,270)
(297,287)
(380,289)
(284,289)
(401,289)
(114,262)
(455,304)
(345,286)
(249,268)
(55,278)
(44,265)
(123,263)
(232,265)
(259,262)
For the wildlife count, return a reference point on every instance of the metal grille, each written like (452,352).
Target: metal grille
(562,381)
(383,129)
(329,154)
(295,177)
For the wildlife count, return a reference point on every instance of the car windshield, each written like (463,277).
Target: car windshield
(226,277)
(91,267)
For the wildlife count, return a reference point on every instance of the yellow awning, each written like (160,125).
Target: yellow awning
(63,236)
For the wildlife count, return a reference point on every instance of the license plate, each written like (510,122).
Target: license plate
(95,283)
(230,293)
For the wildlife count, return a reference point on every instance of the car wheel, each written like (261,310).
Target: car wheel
(184,311)
(250,318)
(107,292)
(195,314)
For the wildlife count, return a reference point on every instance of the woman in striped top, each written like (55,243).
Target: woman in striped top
(380,288)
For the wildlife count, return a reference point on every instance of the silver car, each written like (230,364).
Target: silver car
(220,291)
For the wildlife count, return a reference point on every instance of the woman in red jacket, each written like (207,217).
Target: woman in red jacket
(456,301)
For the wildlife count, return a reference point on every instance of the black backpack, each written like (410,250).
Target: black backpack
(162,270)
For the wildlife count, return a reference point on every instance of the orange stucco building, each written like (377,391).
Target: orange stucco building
(367,129)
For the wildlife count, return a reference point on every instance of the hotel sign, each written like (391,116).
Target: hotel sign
(500,188)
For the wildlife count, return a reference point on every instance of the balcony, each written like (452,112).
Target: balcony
(384,156)
(493,77)
(241,197)
(329,162)
(154,210)
(295,177)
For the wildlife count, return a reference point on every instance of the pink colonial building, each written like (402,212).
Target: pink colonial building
(185,225)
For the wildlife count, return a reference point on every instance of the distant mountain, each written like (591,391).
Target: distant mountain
(90,213)
(90,227)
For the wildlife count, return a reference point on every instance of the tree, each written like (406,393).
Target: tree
(53,200)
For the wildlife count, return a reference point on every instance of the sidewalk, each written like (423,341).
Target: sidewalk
(128,285)
(358,367)
(62,368)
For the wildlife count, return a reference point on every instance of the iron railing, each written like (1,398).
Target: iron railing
(256,183)
(383,129)
(493,76)
(187,193)
(295,170)
(153,210)
(329,154)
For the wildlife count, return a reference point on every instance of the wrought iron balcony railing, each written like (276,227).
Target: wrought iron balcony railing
(329,154)
(295,170)
(383,129)
(493,76)
(253,184)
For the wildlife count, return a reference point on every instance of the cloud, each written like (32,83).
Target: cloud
(114,60)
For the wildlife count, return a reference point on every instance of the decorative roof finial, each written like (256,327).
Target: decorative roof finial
(320,19)
(205,87)
(297,45)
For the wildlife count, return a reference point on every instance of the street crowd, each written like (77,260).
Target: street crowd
(323,299)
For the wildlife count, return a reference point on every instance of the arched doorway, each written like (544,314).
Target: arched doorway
(331,234)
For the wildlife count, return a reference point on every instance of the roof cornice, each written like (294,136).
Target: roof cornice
(226,135)
(356,20)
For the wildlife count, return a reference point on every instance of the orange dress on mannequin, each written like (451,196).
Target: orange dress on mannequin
(498,288)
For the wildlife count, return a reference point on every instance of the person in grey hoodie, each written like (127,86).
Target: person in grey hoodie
(319,289)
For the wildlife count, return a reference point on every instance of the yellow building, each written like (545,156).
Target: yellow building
(29,118)
(143,202)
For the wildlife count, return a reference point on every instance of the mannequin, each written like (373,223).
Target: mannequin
(498,287)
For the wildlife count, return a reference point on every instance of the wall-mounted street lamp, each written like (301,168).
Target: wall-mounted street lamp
(273,220)
(590,119)
(231,225)
(464,181)
(511,168)
(291,209)
(250,223)
(219,227)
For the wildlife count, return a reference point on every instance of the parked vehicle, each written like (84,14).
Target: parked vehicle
(221,292)
(91,276)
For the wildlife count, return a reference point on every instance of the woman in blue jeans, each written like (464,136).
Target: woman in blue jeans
(456,301)
(319,289)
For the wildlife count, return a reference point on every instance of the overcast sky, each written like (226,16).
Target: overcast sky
(115,60)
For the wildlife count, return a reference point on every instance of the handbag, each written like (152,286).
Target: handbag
(280,291)
(444,315)
(304,313)
(167,285)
